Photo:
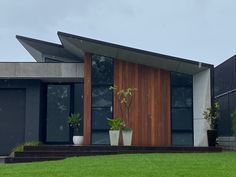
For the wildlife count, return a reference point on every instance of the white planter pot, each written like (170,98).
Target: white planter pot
(127,137)
(114,137)
(78,140)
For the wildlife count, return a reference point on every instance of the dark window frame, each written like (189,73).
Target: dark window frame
(181,107)
(44,118)
(101,85)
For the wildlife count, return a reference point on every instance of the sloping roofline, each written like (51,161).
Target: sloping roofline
(39,41)
(42,49)
(134,49)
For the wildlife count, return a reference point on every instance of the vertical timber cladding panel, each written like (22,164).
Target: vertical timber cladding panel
(87,99)
(150,111)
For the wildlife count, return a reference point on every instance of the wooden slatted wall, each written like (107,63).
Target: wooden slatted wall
(87,99)
(150,111)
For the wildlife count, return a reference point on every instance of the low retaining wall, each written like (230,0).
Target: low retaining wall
(227,143)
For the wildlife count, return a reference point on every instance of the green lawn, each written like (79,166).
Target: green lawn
(147,165)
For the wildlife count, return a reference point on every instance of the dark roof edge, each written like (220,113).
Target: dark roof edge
(38,41)
(230,58)
(134,49)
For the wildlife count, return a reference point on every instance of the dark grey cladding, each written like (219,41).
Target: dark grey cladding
(43,51)
(225,76)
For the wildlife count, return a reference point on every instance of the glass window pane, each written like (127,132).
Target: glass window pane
(79,103)
(182,119)
(179,79)
(100,137)
(58,110)
(101,96)
(102,70)
(181,97)
(182,139)
(99,118)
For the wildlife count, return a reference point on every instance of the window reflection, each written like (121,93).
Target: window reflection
(58,109)
(181,109)
(102,70)
(102,79)
(101,97)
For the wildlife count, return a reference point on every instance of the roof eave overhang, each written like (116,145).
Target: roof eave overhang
(81,45)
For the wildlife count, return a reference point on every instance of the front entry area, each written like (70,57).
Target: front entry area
(61,100)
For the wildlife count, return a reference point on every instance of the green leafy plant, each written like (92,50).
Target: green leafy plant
(212,114)
(20,147)
(115,123)
(74,120)
(233,115)
(125,97)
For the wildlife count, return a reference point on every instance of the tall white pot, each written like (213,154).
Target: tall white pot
(114,137)
(127,137)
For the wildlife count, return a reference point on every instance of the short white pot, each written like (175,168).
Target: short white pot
(127,137)
(78,140)
(114,137)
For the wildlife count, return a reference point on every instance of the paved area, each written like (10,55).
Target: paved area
(2,159)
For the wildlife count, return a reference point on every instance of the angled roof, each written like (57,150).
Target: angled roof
(74,47)
(79,45)
(41,50)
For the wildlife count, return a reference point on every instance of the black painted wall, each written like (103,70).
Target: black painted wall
(225,94)
(17,124)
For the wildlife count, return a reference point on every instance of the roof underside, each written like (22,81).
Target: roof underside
(80,45)
(41,50)
(73,48)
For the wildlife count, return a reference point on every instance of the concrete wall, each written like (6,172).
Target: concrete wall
(42,70)
(227,142)
(201,101)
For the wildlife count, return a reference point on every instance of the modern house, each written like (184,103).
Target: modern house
(36,98)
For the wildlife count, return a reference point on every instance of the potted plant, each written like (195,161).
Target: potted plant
(211,115)
(114,132)
(74,122)
(125,97)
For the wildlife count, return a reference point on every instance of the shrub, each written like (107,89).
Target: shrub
(212,114)
(20,147)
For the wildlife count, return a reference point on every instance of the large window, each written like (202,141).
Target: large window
(61,100)
(182,109)
(58,109)
(102,79)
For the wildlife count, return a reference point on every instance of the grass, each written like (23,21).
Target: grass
(133,165)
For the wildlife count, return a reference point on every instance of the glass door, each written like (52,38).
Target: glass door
(58,110)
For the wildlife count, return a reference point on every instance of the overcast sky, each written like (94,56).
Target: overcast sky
(202,30)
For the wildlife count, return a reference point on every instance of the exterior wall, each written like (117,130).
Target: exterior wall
(41,70)
(225,94)
(225,77)
(32,108)
(150,116)
(150,111)
(201,101)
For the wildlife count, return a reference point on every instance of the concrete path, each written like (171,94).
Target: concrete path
(2,159)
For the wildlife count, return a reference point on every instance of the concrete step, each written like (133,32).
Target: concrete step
(30,159)
(63,153)
(2,159)
(56,152)
(72,148)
